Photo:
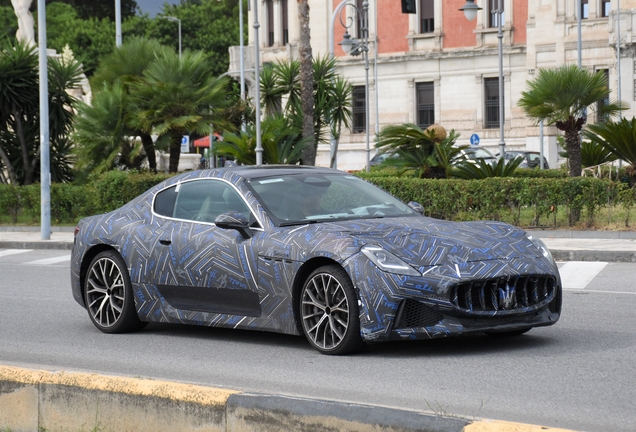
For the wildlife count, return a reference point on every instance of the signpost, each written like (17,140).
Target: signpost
(474,139)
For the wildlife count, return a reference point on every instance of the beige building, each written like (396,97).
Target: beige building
(435,66)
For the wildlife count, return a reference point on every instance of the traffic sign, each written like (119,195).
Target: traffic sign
(474,139)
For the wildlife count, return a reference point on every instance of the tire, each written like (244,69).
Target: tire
(329,312)
(108,295)
(512,333)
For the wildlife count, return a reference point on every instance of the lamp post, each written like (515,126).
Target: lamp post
(45,146)
(257,87)
(355,47)
(171,18)
(470,10)
(118,23)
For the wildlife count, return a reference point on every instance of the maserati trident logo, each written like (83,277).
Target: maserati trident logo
(506,297)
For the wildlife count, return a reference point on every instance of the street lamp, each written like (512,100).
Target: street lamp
(354,47)
(171,18)
(257,87)
(470,10)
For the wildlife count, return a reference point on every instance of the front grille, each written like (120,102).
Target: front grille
(412,313)
(503,294)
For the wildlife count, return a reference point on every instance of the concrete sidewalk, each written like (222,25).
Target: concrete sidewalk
(609,246)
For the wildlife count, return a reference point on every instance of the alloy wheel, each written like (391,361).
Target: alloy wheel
(105,292)
(325,311)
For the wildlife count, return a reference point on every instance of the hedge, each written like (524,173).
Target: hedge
(493,198)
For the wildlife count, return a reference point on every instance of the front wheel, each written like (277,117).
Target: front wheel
(329,312)
(108,295)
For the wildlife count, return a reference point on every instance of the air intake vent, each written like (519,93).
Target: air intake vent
(415,314)
(504,294)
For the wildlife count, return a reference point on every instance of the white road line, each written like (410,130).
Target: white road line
(7,252)
(48,261)
(577,274)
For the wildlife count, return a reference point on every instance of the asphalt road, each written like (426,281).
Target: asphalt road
(579,374)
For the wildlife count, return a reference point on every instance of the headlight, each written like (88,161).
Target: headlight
(388,262)
(541,246)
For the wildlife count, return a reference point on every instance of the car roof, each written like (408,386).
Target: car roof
(253,171)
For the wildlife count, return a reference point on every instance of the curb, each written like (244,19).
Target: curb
(593,255)
(44,244)
(42,400)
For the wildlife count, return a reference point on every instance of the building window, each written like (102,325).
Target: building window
(359,109)
(493,16)
(491,108)
(600,118)
(427,16)
(585,9)
(359,19)
(606,7)
(285,20)
(269,5)
(425,96)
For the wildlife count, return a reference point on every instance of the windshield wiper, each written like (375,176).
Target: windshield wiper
(293,223)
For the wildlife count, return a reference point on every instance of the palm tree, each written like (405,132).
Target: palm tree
(561,97)
(429,152)
(178,96)
(126,65)
(618,137)
(102,137)
(282,143)
(470,170)
(331,102)
(306,81)
(20,119)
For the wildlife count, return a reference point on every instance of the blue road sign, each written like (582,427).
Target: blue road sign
(474,139)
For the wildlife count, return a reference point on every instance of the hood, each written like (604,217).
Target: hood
(424,241)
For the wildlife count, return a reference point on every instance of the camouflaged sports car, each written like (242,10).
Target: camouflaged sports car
(306,250)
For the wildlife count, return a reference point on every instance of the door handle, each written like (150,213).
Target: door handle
(165,242)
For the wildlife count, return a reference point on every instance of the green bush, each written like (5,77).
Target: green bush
(498,198)
(503,198)
(10,201)
(115,188)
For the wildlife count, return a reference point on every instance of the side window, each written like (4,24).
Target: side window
(164,201)
(204,200)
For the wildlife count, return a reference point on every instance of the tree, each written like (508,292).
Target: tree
(306,81)
(20,114)
(179,96)
(103,139)
(331,100)
(618,137)
(481,169)
(561,97)
(90,8)
(429,152)
(281,141)
(125,65)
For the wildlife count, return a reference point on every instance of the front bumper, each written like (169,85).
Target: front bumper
(403,307)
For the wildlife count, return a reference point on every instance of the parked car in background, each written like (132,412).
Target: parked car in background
(530,158)
(381,157)
(307,251)
(475,153)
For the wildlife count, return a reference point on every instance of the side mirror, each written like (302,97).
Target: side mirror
(417,207)
(234,221)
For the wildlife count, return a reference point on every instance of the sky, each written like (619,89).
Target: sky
(153,7)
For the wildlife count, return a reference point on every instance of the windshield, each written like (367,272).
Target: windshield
(310,198)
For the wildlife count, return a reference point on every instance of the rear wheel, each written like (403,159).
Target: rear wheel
(108,295)
(329,312)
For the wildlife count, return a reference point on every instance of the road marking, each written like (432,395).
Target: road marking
(578,274)
(47,261)
(8,252)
